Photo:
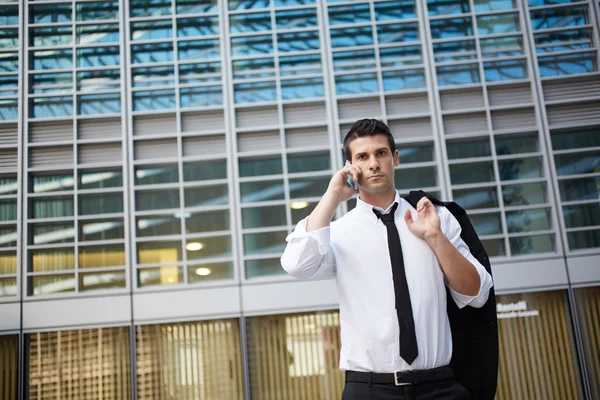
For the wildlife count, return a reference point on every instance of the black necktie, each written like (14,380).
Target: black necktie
(406,322)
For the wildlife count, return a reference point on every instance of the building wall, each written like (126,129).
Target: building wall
(155,154)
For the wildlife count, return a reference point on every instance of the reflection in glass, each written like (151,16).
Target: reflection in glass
(494,247)
(8,262)
(397,33)
(252,45)
(416,153)
(262,191)
(208,247)
(98,80)
(447,7)
(169,275)
(8,235)
(400,56)
(356,84)
(8,210)
(153,76)
(528,220)
(51,260)
(403,79)
(153,100)
(107,103)
(100,179)
(102,256)
(458,74)
(358,36)
(158,252)
(149,30)
(52,183)
(494,5)
(56,59)
(566,64)
(309,186)
(102,280)
(158,225)
(204,96)
(51,207)
(210,272)
(531,244)
(449,28)
(415,178)
(204,170)
(486,224)
(350,14)
(264,216)
(468,149)
(49,284)
(301,88)
(100,203)
(471,173)
(264,243)
(476,198)
(577,163)
(156,175)
(504,70)
(46,14)
(104,229)
(206,196)
(579,189)
(256,22)
(96,34)
(267,267)
(266,165)
(584,239)
(524,194)
(51,36)
(97,11)
(564,140)
(145,8)
(197,26)
(255,92)
(195,6)
(300,210)
(151,53)
(51,107)
(217,220)
(354,59)
(558,17)
(522,168)
(308,162)
(294,19)
(98,56)
(52,233)
(564,40)
(501,47)
(8,287)
(516,144)
(156,199)
(497,24)
(581,215)
(392,10)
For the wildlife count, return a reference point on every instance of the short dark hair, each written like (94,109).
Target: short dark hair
(367,127)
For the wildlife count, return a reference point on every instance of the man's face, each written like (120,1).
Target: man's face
(372,154)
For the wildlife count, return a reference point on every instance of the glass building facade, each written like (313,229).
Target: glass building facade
(154,155)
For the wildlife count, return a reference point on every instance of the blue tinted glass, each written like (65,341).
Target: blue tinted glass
(197,26)
(250,22)
(537,3)
(9,62)
(496,45)
(255,92)
(265,165)
(447,7)
(108,103)
(349,14)
(9,85)
(458,74)
(151,53)
(471,173)
(391,10)
(355,84)
(200,72)
(99,80)
(522,168)
(98,57)
(154,100)
(48,14)
(94,34)
(201,96)
(52,107)
(528,220)
(51,36)
(404,79)
(355,59)
(245,46)
(152,76)
(399,56)
(298,41)
(577,163)
(449,28)
(301,88)
(9,38)
(256,268)
(351,37)
(300,65)
(206,196)
(199,50)
(97,11)
(486,224)
(196,6)
(495,24)
(149,30)
(494,5)
(558,17)
(293,19)
(47,83)
(397,33)
(287,3)
(567,64)
(253,68)
(55,59)
(247,4)
(579,189)
(8,110)
(560,41)
(149,8)
(504,70)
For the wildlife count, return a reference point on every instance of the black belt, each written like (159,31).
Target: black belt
(401,378)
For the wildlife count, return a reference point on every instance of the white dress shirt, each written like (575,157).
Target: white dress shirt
(354,250)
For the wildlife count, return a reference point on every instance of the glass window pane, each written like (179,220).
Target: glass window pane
(301,88)
(210,272)
(458,75)
(528,220)
(264,243)
(266,165)
(294,19)
(577,163)
(300,65)
(195,6)
(579,189)
(170,275)
(353,60)
(51,107)
(255,92)
(252,45)
(532,244)
(392,10)
(158,225)
(581,215)
(200,72)
(108,103)
(501,47)
(397,33)
(476,198)
(98,56)
(100,203)
(356,84)
(247,4)
(300,210)
(262,191)
(102,256)
(584,239)
(486,224)
(156,174)
(52,183)
(158,252)
(49,83)
(104,229)
(447,7)
(468,148)
(268,267)
(516,144)
(153,76)
(255,22)
(52,233)
(8,287)
(208,221)
(205,170)
(415,153)
(154,100)
(8,210)
(204,96)
(400,56)
(575,139)
(93,11)
(523,168)
(208,247)
(51,36)
(494,5)
(8,185)
(308,187)
(99,80)
(52,260)
(403,79)
(449,28)
(253,68)
(206,196)
(308,162)
(260,217)
(298,41)
(566,64)
(354,14)
(52,207)
(494,247)
(152,53)
(189,27)
(8,235)
(350,37)
(472,173)
(100,179)
(497,24)
(156,199)
(102,280)
(558,17)
(95,34)
(525,194)
(145,8)
(575,39)
(505,70)
(48,14)
(56,59)
(415,178)
(150,30)
(454,51)
(8,262)
(49,284)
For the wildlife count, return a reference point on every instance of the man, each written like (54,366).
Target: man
(396,339)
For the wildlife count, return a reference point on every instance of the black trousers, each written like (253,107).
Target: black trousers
(446,389)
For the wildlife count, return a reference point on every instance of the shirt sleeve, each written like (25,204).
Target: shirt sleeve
(308,255)
(452,230)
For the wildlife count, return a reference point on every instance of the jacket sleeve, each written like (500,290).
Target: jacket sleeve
(452,230)
(308,255)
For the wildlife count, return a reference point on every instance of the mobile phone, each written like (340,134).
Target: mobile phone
(351,182)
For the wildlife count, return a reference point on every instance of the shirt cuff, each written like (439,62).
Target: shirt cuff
(485,284)
(320,235)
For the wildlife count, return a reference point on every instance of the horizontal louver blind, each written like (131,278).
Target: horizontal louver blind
(262,141)
(574,114)
(151,149)
(257,117)
(8,135)
(189,361)
(50,156)
(204,145)
(407,104)
(513,119)
(99,129)
(81,364)
(465,123)
(8,160)
(303,113)
(202,122)
(154,125)
(49,132)
(357,109)
(567,89)
(509,95)
(461,100)
(100,153)
(306,137)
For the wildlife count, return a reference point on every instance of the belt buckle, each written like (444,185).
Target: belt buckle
(397,382)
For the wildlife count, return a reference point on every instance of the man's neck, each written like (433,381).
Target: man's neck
(381,200)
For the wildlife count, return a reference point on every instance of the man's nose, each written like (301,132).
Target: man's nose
(373,163)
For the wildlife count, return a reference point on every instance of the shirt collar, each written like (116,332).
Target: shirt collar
(366,209)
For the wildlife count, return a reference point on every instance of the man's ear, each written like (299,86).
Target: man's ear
(396,158)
